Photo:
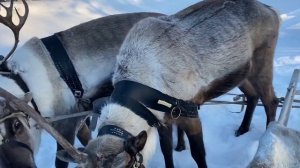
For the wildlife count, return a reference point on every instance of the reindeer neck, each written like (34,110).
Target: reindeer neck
(11,86)
(33,63)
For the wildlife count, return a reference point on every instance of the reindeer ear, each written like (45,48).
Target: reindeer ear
(64,156)
(27,97)
(135,144)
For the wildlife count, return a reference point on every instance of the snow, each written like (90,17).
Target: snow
(278,148)
(220,121)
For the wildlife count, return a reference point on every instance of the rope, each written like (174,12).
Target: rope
(211,102)
(67,116)
(217,102)
(5,73)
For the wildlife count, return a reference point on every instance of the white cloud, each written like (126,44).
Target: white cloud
(287,60)
(132,2)
(286,16)
(48,17)
(137,2)
(295,26)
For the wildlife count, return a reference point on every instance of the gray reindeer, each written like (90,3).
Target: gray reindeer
(92,49)
(168,66)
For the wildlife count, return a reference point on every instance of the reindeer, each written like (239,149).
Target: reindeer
(168,66)
(91,46)
(16,148)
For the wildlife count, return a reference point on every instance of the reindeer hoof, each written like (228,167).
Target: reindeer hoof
(241,131)
(180,147)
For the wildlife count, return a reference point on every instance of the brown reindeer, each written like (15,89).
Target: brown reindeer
(16,149)
(210,47)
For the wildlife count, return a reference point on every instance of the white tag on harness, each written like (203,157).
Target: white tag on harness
(164,103)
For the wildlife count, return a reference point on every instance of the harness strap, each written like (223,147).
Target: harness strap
(137,97)
(136,160)
(63,64)
(137,108)
(19,144)
(20,82)
(114,130)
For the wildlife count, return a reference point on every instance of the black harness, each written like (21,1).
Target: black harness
(63,64)
(138,97)
(114,130)
(17,143)
(136,158)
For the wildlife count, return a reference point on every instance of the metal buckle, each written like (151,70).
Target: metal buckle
(138,160)
(175,112)
(77,93)
(157,124)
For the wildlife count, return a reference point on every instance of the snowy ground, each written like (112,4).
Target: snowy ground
(219,122)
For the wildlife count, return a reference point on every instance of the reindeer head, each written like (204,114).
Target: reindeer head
(109,151)
(113,148)
(16,149)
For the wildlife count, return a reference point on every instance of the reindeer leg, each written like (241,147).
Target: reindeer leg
(166,144)
(68,132)
(270,105)
(268,98)
(252,99)
(180,140)
(84,135)
(193,130)
(261,77)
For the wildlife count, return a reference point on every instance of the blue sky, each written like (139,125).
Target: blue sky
(284,6)
(68,13)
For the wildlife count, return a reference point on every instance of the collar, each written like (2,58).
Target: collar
(114,130)
(136,160)
(19,144)
(139,97)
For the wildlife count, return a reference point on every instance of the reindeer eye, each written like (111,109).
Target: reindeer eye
(17,125)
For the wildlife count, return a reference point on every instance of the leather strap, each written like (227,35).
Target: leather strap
(63,64)
(138,97)
(114,130)
(19,144)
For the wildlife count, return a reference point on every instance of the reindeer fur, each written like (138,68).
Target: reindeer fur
(197,54)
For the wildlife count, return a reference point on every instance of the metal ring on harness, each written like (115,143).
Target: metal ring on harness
(175,112)
(138,161)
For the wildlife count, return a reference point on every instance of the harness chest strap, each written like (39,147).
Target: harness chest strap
(63,64)
(138,97)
